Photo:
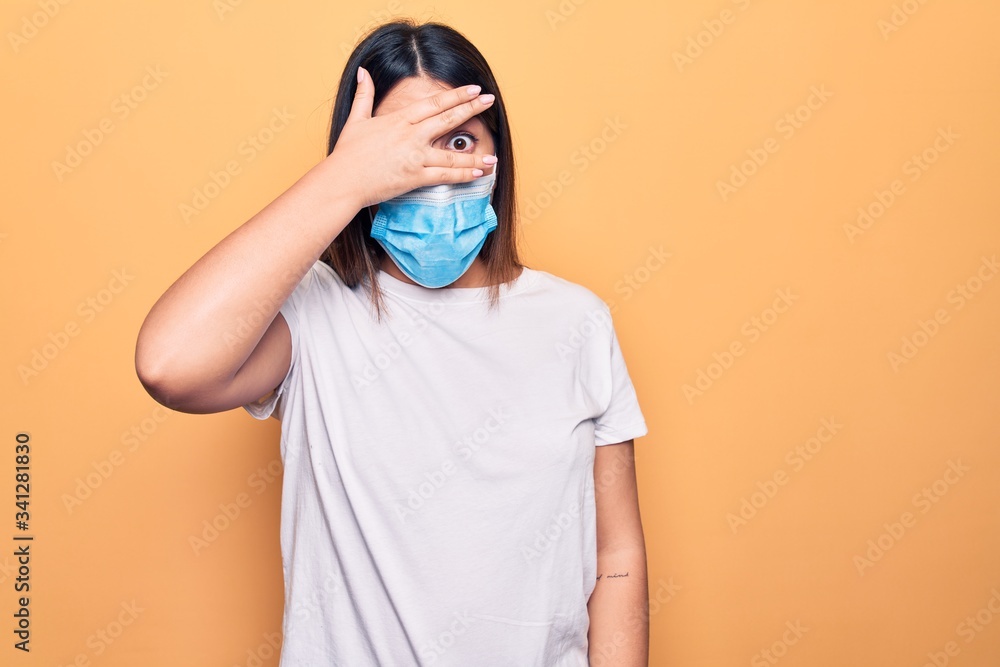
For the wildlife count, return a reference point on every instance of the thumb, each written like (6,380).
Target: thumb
(363,97)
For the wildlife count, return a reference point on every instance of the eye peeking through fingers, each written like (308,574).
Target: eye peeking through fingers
(462,142)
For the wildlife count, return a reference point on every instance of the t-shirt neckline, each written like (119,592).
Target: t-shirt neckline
(393,285)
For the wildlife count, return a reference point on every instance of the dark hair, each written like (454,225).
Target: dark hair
(390,53)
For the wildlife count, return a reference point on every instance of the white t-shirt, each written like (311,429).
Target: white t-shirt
(438,495)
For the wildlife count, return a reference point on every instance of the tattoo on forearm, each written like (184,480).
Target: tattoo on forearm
(613,576)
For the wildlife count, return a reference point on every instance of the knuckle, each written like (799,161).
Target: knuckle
(438,102)
(415,157)
(447,117)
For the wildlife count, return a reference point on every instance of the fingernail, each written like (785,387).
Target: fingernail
(361,75)
(473,90)
(477,172)
(486,99)
(489,159)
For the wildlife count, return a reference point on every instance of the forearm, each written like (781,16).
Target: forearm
(239,285)
(619,610)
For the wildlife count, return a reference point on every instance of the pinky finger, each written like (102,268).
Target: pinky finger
(441,175)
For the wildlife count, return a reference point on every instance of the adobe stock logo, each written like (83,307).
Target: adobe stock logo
(230,512)
(392,347)
(30,25)
(392,9)
(435,647)
(967,629)
(796,458)
(634,280)
(914,167)
(248,150)
(88,309)
(597,320)
(101,640)
(465,448)
(582,158)
(704,39)
(787,126)
(924,500)
(753,329)
(899,17)
(562,12)
(121,107)
(223,7)
(102,469)
(963,293)
(779,648)
(264,651)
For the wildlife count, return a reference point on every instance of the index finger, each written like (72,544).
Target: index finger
(439,102)
(449,119)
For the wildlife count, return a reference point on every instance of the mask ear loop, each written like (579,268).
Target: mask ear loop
(371,222)
(494,186)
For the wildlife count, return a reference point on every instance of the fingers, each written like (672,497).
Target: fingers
(448,102)
(440,175)
(437,157)
(451,118)
(437,166)
(363,97)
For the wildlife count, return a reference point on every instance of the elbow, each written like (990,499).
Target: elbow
(150,364)
(155,378)
(178,382)
(162,376)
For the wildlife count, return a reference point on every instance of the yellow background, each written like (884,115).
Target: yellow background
(663,132)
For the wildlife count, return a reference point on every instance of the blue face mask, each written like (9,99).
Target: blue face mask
(434,233)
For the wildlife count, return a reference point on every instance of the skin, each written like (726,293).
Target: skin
(215,340)
(619,605)
(477,141)
(189,359)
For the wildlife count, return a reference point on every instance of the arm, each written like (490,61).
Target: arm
(189,355)
(618,607)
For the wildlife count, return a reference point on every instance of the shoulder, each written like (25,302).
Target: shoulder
(319,278)
(322,273)
(577,320)
(319,289)
(566,295)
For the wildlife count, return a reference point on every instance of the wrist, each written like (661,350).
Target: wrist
(336,193)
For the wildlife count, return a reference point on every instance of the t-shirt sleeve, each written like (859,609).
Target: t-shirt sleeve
(622,419)
(290,310)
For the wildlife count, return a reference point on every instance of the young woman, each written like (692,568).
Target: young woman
(444,409)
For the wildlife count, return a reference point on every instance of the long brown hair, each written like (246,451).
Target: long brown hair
(390,53)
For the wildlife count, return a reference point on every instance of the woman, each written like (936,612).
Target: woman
(444,409)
